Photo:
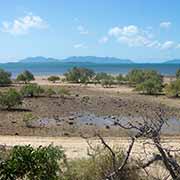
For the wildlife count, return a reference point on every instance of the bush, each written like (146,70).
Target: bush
(178,74)
(25,77)
(136,76)
(101,76)
(53,78)
(79,75)
(26,162)
(98,167)
(50,92)
(10,99)
(31,90)
(5,78)
(63,92)
(150,86)
(173,89)
(107,82)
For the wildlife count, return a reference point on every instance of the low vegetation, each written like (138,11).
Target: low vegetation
(31,90)
(79,75)
(173,88)
(26,162)
(53,78)
(10,99)
(5,78)
(25,77)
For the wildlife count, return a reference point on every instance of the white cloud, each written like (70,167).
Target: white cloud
(165,24)
(79,45)
(22,25)
(134,36)
(126,31)
(167,45)
(131,35)
(82,30)
(103,40)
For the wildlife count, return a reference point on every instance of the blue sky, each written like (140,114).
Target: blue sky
(142,30)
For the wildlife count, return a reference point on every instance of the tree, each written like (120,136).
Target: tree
(26,162)
(136,76)
(31,90)
(100,76)
(25,77)
(53,78)
(5,78)
(150,86)
(178,74)
(10,99)
(79,75)
(173,89)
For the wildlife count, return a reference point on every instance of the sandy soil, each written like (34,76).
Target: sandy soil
(76,147)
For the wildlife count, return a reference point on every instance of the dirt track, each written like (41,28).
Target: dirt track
(76,147)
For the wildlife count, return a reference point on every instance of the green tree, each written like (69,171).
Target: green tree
(10,99)
(173,88)
(150,86)
(136,76)
(100,76)
(53,78)
(178,74)
(31,90)
(5,78)
(79,75)
(25,77)
(26,162)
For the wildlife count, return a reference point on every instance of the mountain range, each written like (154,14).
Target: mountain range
(86,59)
(77,59)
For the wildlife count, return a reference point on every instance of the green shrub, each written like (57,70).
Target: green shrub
(79,75)
(101,76)
(5,78)
(31,90)
(25,77)
(136,76)
(173,89)
(53,78)
(26,162)
(178,74)
(28,118)
(64,92)
(10,99)
(150,86)
(50,92)
(107,82)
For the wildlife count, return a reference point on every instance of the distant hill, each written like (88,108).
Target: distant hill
(94,59)
(174,61)
(38,59)
(77,59)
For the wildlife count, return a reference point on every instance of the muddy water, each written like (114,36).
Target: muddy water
(172,127)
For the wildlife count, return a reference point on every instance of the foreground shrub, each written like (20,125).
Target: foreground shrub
(173,89)
(10,99)
(53,78)
(25,77)
(31,90)
(79,75)
(98,167)
(5,78)
(101,76)
(26,162)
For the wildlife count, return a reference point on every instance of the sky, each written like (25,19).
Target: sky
(141,30)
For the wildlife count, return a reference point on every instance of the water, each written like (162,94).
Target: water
(61,68)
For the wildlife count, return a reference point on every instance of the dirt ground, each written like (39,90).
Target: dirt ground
(58,116)
(76,147)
